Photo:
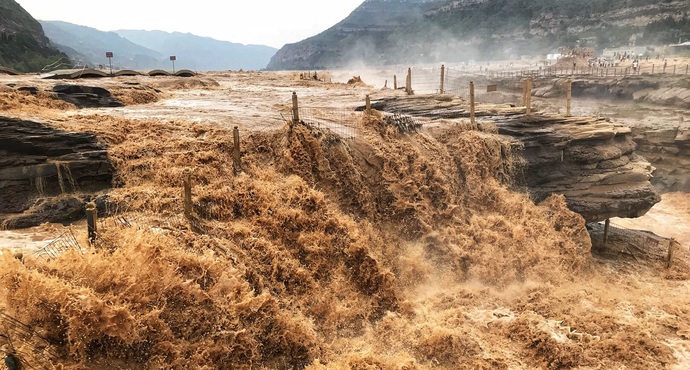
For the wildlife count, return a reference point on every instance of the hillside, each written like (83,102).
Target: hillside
(88,46)
(409,31)
(202,53)
(23,46)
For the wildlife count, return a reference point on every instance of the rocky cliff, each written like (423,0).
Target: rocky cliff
(591,161)
(668,149)
(667,90)
(412,31)
(46,174)
(23,45)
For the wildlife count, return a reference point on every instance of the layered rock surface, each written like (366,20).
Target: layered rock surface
(46,174)
(592,161)
(658,90)
(668,150)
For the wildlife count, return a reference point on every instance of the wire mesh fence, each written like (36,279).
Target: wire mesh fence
(65,242)
(24,346)
(426,80)
(343,122)
(438,79)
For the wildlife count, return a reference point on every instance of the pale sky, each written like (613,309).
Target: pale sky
(265,22)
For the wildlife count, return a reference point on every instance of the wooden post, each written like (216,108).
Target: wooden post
(187,179)
(607,228)
(472,103)
(569,97)
(408,87)
(443,78)
(91,219)
(368,104)
(652,68)
(295,108)
(237,165)
(529,96)
(395,82)
(669,256)
(524,93)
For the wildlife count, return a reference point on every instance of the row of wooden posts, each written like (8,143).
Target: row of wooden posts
(527,96)
(589,71)
(92,212)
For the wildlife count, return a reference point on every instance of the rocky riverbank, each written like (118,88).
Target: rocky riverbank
(47,174)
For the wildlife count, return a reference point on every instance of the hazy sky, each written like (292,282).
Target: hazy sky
(266,22)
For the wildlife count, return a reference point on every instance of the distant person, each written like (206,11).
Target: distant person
(635,64)
(665,63)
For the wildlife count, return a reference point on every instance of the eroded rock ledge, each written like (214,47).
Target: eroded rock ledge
(591,161)
(46,174)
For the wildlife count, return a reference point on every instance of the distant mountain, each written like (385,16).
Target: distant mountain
(23,45)
(88,46)
(429,31)
(202,53)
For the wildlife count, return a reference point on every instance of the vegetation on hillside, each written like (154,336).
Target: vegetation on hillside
(23,46)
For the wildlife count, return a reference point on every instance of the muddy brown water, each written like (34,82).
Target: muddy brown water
(246,284)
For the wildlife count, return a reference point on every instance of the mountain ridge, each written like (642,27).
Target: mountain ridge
(140,49)
(200,52)
(88,45)
(382,32)
(23,44)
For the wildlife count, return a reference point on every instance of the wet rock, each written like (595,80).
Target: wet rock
(591,161)
(42,168)
(659,90)
(33,90)
(86,96)
(667,148)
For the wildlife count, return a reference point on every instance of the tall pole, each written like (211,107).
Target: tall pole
(529,96)
(472,120)
(408,87)
(187,183)
(236,151)
(443,78)
(607,228)
(295,108)
(368,104)
(569,97)
(524,93)
(395,82)
(91,221)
